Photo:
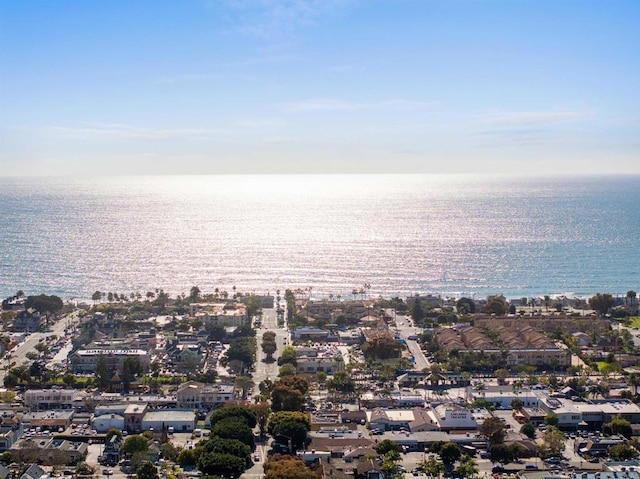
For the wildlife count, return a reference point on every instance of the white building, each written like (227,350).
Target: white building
(45,399)
(321,358)
(220,314)
(86,360)
(195,395)
(179,420)
(451,417)
(108,421)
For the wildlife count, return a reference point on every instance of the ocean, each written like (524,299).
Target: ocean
(453,235)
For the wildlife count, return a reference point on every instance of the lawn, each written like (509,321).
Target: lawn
(600,364)
(634,322)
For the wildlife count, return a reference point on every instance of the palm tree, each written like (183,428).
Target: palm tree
(631,301)
(547,300)
(432,468)
(634,380)
(467,467)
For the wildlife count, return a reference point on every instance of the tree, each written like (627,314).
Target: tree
(634,380)
(466,306)
(417,313)
(288,356)
(449,453)
(243,383)
(6,458)
(602,303)
(551,419)
(387,445)
(102,372)
(496,305)
(618,425)
(632,302)
(500,453)
(284,398)
(467,467)
(112,432)
(219,445)
(187,457)
(286,467)
(242,349)
(493,429)
(147,471)
(245,413)
(382,347)
(194,294)
(287,370)
(84,469)
(341,382)
(292,424)
(44,304)
(554,441)
(170,451)
(296,382)
(97,296)
(389,466)
(226,465)
(262,410)
(234,428)
(432,468)
(517,403)
(269,345)
(135,443)
(529,430)
(622,452)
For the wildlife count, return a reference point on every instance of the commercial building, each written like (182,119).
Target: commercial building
(179,420)
(45,399)
(85,361)
(195,395)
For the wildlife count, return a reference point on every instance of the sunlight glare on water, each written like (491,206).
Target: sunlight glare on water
(402,234)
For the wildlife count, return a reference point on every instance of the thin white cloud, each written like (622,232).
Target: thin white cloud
(333,104)
(527,127)
(321,104)
(535,118)
(276,18)
(120,131)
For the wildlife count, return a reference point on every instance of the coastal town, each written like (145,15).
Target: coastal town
(290,385)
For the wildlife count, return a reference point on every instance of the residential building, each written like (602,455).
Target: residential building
(321,358)
(330,311)
(10,430)
(220,314)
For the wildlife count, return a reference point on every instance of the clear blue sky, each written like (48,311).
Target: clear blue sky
(234,86)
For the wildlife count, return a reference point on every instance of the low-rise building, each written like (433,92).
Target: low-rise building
(452,417)
(104,422)
(45,399)
(48,420)
(395,399)
(85,360)
(412,420)
(162,420)
(195,395)
(220,314)
(320,358)
(10,430)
